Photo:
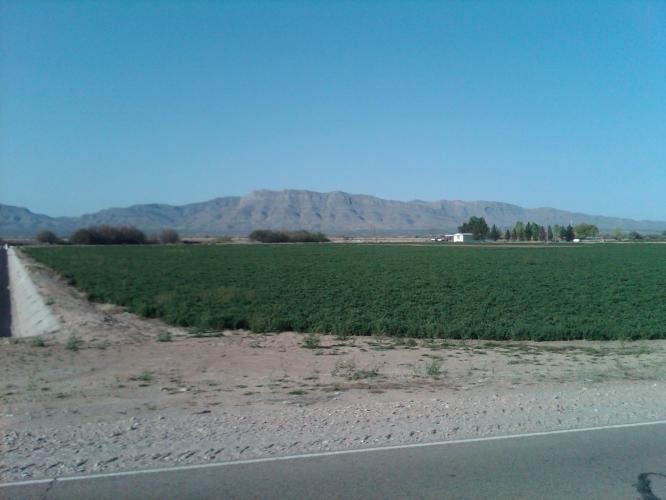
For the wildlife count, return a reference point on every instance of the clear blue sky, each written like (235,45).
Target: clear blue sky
(535,103)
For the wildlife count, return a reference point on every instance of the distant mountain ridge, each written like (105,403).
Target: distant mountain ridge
(332,213)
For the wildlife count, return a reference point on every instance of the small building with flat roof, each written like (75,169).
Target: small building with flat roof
(463,237)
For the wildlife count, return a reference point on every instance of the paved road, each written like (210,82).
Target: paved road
(621,463)
(5,307)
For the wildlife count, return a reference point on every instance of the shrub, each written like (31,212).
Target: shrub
(73,343)
(311,341)
(342,336)
(434,368)
(81,237)
(350,371)
(267,236)
(48,237)
(164,337)
(169,236)
(37,342)
(144,376)
(108,235)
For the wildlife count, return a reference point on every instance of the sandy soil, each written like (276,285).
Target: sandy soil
(126,400)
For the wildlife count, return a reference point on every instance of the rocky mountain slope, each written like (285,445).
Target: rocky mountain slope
(333,213)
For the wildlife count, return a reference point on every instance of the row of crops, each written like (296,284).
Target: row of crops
(548,293)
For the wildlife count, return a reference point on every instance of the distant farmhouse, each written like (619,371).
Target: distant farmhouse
(463,237)
(456,238)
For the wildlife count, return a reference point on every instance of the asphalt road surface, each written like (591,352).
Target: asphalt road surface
(5,307)
(620,462)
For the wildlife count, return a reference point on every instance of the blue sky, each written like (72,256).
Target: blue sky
(535,103)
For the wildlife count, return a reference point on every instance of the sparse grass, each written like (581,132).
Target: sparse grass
(342,336)
(297,392)
(103,345)
(205,333)
(434,368)
(164,337)
(311,341)
(144,376)
(350,371)
(73,343)
(37,342)
(50,302)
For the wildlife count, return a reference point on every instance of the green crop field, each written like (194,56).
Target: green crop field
(488,292)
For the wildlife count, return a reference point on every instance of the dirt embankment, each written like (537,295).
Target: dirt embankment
(132,393)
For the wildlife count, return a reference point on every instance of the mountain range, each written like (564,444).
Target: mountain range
(334,213)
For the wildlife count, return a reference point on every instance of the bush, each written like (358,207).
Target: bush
(169,236)
(410,342)
(48,237)
(434,368)
(73,343)
(144,376)
(108,235)
(164,337)
(38,342)
(311,341)
(350,371)
(81,237)
(266,236)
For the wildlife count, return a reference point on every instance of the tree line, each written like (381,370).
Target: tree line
(530,231)
(268,236)
(130,235)
(109,235)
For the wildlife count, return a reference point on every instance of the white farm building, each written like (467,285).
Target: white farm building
(462,237)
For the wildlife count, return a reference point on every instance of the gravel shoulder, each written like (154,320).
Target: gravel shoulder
(125,400)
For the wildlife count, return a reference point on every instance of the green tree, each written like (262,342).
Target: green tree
(528,231)
(507,235)
(169,236)
(47,237)
(81,237)
(514,234)
(477,226)
(520,230)
(542,233)
(268,236)
(108,235)
(569,233)
(557,231)
(584,230)
(617,233)
(549,234)
(494,233)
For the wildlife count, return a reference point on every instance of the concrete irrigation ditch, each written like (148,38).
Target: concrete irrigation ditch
(30,315)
